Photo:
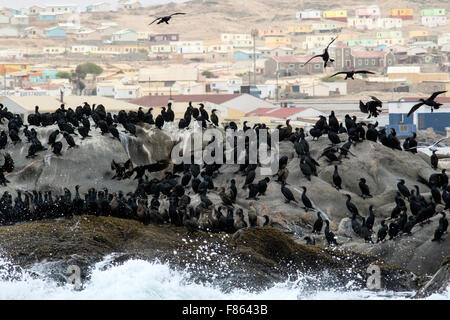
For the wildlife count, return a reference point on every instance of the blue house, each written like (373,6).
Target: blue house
(55,33)
(47,16)
(422,119)
(246,55)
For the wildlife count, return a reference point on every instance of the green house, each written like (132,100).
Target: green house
(360,42)
(433,12)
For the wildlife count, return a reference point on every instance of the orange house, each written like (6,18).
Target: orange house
(402,13)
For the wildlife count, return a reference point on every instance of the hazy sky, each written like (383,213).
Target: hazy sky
(81,3)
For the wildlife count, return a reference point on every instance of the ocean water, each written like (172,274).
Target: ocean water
(139,279)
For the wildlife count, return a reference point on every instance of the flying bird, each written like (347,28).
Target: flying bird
(325,56)
(373,107)
(429,102)
(165,19)
(350,74)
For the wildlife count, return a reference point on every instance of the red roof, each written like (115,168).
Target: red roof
(369,54)
(258,112)
(296,59)
(281,113)
(156,101)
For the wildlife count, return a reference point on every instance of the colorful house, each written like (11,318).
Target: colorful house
(47,16)
(390,23)
(433,12)
(360,42)
(272,42)
(300,29)
(55,33)
(38,77)
(338,15)
(434,21)
(246,55)
(326,27)
(402,13)
(362,23)
(418,33)
(271,32)
(370,12)
(6,68)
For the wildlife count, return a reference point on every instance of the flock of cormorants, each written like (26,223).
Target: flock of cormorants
(168,200)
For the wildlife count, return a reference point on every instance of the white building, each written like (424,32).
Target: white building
(62,8)
(434,21)
(126,92)
(99,7)
(188,46)
(124,35)
(4,19)
(238,40)
(84,49)
(390,23)
(308,15)
(53,50)
(35,10)
(9,32)
(315,41)
(443,39)
(362,23)
(106,89)
(128,5)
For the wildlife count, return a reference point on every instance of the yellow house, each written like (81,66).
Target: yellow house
(402,13)
(271,31)
(339,15)
(7,67)
(418,33)
(272,42)
(302,28)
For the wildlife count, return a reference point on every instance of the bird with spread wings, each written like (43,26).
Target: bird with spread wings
(165,19)
(325,56)
(429,102)
(350,74)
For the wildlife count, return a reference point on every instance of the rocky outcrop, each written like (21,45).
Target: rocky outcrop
(440,281)
(255,258)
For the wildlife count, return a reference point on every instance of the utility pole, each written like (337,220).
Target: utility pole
(254,34)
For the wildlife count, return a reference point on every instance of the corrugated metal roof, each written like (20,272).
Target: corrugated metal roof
(296,59)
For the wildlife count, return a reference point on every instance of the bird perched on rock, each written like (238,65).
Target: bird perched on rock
(365,192)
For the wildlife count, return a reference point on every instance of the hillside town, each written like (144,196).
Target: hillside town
(51,54)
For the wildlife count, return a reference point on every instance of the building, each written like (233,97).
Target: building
(390,23)
(164,48)
(4,18)
(9,32)
(422,119)
(433,12)
(362,23)
(238,40)
(33,32)
(434,21)
(300,29)
(308,15)
(55,33)
(360,43)
(286,113)
(35,10)
(289,66)
(246,55)
(123,35)
(276,52)
(53,50)
(389,34)
(323,27)
(273,42)
(88,35)
(338,15)
(402,13)
(166,77)
(20,20)
(414,74)
(188,47)
(370,12)
(317,41)
(62,8)
(164,37)
(128,5)
(418,33)
(372,60)
(47,16)
(84,49)
(271,32)
(99,7)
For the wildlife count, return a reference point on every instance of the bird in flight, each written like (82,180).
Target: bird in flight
(325,56)
(350,74)
(165,18)
(429,102)
(373,107)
